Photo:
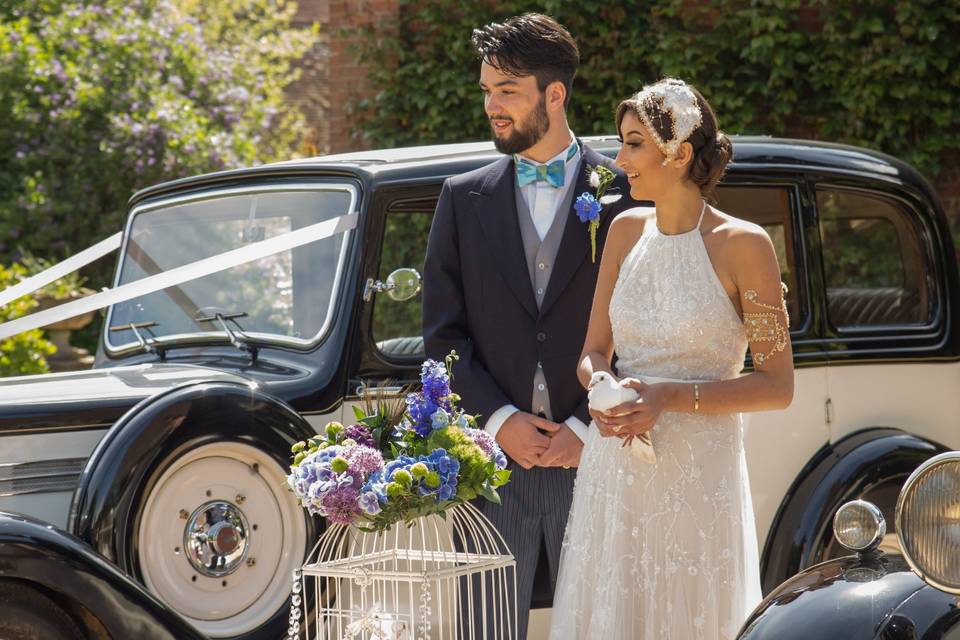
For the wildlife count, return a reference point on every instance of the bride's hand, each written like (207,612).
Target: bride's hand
(635,417)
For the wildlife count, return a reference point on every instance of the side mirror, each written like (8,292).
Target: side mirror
(402,284)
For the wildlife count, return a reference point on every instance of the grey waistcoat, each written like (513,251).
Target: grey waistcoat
(541,255)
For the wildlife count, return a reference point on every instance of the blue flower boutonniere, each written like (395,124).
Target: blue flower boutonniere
(588,206)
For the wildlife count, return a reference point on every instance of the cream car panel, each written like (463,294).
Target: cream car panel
(922,399)
(779,443)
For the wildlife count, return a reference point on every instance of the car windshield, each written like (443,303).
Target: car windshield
(286,297)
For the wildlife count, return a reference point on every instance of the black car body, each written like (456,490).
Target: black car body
(98,453)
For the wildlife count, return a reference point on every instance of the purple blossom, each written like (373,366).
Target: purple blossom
(360,434)
(341,505)
(364,459)
(488,445)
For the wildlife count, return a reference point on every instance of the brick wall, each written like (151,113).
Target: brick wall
(331,76)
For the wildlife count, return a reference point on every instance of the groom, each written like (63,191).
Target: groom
(509,280)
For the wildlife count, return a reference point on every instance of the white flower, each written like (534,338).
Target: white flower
(595,179)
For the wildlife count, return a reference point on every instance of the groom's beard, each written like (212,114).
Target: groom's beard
(525,134)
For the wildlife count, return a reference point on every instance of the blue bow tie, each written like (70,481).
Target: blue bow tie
(554,173)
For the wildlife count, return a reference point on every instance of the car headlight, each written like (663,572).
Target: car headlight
(928,521)
(859,526)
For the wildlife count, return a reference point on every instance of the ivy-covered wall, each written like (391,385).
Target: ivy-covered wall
(882,74)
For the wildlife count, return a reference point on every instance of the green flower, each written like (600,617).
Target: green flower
(339,465)
(402,477)
(419,470)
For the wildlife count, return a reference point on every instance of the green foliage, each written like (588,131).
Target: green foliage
(24,353)
(100,99)
(877,73)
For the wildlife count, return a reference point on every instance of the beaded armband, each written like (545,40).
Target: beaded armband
(767,326)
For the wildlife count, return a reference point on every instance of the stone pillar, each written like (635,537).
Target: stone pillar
(331,76)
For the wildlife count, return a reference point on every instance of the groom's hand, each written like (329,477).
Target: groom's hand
(521,439)
(564,450)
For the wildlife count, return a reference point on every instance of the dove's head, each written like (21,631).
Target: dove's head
(600,377)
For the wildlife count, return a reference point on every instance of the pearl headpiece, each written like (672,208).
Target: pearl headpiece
(675,97)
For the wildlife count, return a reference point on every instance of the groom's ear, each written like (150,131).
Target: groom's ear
(556,96)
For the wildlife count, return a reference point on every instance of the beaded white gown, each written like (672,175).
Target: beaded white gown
(665,551)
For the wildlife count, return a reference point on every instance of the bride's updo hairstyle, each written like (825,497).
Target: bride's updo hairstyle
(675,112)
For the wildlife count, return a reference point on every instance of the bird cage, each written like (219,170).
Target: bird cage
(443,578)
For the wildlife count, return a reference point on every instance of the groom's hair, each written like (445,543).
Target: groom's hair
(530,45)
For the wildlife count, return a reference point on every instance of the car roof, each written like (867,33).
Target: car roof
(436,162)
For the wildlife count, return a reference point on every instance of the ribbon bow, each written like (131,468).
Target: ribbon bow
(554,173)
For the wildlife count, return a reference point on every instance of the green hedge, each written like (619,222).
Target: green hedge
(877,73)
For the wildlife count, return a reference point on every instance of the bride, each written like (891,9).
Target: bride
(668,550)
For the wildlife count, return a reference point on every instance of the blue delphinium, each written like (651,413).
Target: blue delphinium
(428,408)
(587,207)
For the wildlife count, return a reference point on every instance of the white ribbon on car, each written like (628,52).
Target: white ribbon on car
(150,284)
(61,269)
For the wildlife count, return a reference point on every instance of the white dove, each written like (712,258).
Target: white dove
(606,393)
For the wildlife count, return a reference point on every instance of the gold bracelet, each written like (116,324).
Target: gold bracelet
(696,397)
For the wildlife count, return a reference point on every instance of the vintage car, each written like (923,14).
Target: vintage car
(252,306)
(874,594)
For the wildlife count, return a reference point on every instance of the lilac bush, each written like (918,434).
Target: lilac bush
(98,99)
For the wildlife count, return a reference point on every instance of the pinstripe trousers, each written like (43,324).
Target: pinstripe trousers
(533,512)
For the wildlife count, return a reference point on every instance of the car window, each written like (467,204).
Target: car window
(396,325)
(873,261)
(769,207)
(287,296)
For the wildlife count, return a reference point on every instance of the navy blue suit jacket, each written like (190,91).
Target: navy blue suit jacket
(478,299)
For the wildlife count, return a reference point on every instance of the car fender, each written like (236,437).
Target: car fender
(38,554)
(837,473)
(852,597)
(112,481)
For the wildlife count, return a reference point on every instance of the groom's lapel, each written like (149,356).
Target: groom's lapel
(496,207)
(575,245)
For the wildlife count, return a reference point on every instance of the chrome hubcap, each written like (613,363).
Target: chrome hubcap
(215,538)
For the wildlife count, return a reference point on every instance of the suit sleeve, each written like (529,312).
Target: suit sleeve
(445,325)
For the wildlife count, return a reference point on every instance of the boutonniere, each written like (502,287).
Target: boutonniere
(588,206)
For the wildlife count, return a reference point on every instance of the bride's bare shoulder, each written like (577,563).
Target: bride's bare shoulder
(632,221)
(742,241)
(627,228)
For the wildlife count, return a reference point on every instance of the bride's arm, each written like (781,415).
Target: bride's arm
(753,263)
(598,343)
(750,257)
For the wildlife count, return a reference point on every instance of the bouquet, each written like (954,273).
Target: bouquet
(399,463)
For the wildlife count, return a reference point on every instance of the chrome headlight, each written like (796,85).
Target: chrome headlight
(859,526)
(928,521)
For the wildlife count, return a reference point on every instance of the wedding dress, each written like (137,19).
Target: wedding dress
(664,551)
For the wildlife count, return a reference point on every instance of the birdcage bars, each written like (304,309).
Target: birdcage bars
(442,578)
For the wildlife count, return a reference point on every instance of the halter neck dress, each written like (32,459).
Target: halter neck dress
(664,551)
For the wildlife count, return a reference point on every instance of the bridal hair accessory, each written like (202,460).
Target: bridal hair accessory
(674,98)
